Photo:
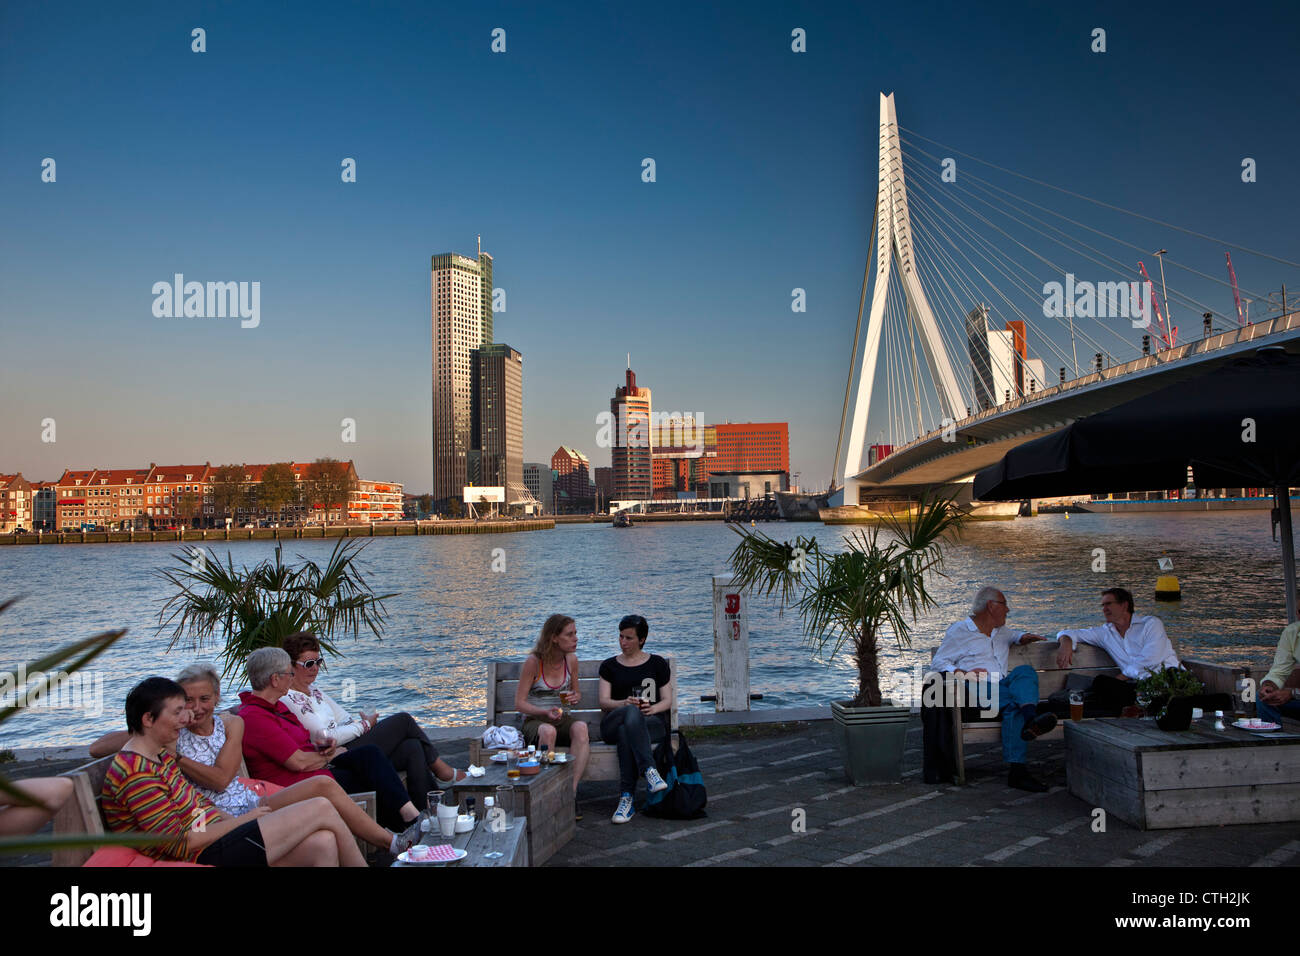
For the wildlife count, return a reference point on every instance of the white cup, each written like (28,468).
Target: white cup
(447,819)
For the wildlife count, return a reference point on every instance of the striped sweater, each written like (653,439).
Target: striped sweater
(154,796)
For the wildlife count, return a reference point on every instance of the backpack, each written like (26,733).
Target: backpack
(685,798)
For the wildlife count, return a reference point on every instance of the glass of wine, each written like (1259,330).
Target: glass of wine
(323,739)
(1144,701)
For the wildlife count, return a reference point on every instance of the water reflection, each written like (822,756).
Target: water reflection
(452,613)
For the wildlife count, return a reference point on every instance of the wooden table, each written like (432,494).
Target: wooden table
(546,799)
(1154,779)
(514,847)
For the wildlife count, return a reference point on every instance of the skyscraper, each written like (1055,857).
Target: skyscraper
(632,452)
(497,414)
(461,310)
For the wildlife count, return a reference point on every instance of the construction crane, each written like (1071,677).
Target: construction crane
(1236,296)
(1165,334)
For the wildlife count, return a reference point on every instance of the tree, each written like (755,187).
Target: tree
(454,508)
(855,595)
(329,482)
(261,606)
(426,504)
(229,490)
(279,488)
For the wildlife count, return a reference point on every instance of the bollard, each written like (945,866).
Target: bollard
(730,645)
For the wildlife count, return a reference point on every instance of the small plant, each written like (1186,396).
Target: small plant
(7,756)
(1163,686)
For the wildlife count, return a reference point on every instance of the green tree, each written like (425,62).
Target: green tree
(875,585)
(279,488)
(425,503)
(260,606)
(329,483)
(229,490)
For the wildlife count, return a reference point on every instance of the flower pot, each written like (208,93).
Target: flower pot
(870,740)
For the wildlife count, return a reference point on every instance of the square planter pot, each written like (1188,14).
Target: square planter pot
(871,741)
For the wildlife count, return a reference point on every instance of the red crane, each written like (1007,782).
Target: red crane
(1236,296)
(1166,335)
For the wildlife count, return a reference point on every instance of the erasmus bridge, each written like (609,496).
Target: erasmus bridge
(1021,293)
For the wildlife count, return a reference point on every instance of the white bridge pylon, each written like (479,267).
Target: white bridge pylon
(892,241)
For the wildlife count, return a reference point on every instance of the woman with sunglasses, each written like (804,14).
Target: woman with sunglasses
(398,737)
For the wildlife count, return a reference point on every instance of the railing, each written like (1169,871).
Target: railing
(1222,340)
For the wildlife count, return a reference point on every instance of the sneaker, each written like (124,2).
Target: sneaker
(624,813)
(654,781)
(407,838)
(1038,726)
(1020,779)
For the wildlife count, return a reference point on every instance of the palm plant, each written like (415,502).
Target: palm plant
(261,606)
(853,596)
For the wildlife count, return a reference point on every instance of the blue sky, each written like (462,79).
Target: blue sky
(224,166)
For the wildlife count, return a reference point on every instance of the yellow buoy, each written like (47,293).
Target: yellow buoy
(1167,588)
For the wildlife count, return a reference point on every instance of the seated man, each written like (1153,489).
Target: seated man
(1137,643)
(277,747)
(1279,691)
(980,644)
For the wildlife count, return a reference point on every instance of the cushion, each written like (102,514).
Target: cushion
(119,856)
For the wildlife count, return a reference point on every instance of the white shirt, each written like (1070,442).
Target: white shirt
(1145,646)
(316,710)
(965,647)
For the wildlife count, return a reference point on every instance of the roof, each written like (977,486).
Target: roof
(71,478)
(172,473)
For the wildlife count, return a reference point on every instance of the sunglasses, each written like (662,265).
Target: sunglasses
(308,665)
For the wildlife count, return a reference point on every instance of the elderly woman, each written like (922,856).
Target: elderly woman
(548,687)
(144,789)
(399,738)
(636,694)
(208,752)
(279,749)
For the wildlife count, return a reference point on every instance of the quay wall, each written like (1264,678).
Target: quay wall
(386,529)
(1182,504)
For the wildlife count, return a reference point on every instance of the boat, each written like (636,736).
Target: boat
(622,521)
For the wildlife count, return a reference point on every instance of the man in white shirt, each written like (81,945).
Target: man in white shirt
(1137,643)
(980,644)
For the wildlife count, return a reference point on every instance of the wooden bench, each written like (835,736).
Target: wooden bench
(503,678)
(82,814)
(1087,660)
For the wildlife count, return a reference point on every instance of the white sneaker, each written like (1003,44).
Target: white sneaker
(655,782)
(624,813)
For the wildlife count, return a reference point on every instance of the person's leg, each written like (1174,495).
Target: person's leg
(1018,703)
(366,768)
(546,737)
(355,818)
(291,834)
(579,749)
(53,792)
(1266,711)
(611,731)
(637,728)
(1111,694)
(409,757)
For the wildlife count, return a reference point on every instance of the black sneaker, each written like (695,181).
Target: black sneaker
(1020,779)
(1038,726)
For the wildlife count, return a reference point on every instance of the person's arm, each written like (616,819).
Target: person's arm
(576,693)
(346,727)
(217,777)
(1284,660)
(272,742)
(665,703)
(606,700)
(1155,654)
(110,743)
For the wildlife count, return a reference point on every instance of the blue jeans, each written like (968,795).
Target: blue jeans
(1268,712)
(633,732)
(1016,691)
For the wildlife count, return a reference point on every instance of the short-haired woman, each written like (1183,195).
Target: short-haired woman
(548,688)
(636,694)
(144,789)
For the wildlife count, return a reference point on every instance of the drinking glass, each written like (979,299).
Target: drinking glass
(1144,701)
(1076,705)
(505,798)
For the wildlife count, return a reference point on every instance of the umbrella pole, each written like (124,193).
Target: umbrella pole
(1282,498)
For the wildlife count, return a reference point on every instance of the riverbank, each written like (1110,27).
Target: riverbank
(1183,505)
(387,529)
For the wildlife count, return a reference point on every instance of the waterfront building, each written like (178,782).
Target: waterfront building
(749,446)
(539,479)
(44,513)
(604,478)
(17,504)
(461,319)
(497,418)
(739,484)
(375,501)
(177,495)
(994,359)
(632,452)
(574,492)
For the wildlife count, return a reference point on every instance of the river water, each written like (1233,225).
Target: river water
(452,612)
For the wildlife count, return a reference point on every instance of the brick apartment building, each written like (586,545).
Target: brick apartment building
(17,505)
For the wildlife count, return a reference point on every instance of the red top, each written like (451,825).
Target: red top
(271,736)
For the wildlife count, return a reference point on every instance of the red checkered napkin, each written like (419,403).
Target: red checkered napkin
(442,853)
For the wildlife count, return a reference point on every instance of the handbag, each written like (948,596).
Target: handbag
(685,797)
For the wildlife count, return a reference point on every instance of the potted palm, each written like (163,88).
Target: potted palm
(261,606)
(875,586)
